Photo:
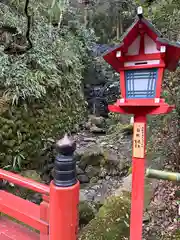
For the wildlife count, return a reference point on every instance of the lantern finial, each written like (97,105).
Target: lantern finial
(140,12)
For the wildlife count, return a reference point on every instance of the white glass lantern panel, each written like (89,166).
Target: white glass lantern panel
(141,83)
(150,45)
(134,47)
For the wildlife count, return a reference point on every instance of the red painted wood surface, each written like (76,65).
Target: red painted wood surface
(171,56)
(64,212)
(142,67)
(137,195)
(142,57)
(159,82)
(122,84)
(10,230)
(142,46)
(24,182)
(145,107)
(56,218)
(22,210)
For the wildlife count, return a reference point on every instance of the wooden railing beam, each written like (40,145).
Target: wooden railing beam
(24,182)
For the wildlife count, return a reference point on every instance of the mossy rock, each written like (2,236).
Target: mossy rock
(92,155)
(175,236)
(127,129)
(94,160)
(97,121)
(111,222)
(121,128)
(86,213)
(32,174)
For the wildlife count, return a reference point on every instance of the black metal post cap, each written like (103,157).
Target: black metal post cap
(65,163)
(66,146)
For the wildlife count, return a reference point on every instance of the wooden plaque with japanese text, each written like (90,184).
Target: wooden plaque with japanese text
(138,140)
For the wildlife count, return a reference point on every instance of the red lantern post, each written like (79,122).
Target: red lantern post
(140,60)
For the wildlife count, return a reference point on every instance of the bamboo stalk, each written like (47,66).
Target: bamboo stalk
(157,174)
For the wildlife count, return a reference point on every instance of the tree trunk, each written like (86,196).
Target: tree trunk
(85,16)
(119,26)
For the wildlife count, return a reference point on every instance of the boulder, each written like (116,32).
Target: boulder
(111,222)
(96,124)
(92,171)
(115,163)
(90,155)
(97,121)
(126,185)
(35,198)
(102,158)
(83,178)
(86,213)
(79,171)
(95,129)
(125,129)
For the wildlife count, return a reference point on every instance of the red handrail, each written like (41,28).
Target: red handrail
(24,182)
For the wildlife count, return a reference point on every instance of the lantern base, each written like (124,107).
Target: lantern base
(145,107)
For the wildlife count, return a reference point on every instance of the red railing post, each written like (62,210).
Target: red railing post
(64,194)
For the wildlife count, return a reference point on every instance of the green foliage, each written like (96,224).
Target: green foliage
(111,18)
(86,213)
(42,88)
(166,16)
(166,136)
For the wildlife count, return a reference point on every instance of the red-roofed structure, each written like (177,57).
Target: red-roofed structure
(141,59)
(143,42)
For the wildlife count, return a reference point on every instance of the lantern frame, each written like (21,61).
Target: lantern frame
(143,48)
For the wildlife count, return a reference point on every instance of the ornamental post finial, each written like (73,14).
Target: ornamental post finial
(140,12)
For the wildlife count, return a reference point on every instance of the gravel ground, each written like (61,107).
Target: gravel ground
(163,212)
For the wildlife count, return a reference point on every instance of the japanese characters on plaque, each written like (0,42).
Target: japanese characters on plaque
(138,140)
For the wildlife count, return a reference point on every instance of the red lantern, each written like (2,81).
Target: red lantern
(141,59)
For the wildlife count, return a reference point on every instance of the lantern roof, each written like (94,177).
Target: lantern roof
(172,54)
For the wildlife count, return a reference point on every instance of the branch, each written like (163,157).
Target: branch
(28,25)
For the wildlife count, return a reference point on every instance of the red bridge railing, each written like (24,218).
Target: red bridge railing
(24,182)
(56,218)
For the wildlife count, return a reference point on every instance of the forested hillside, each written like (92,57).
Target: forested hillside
(40,78)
